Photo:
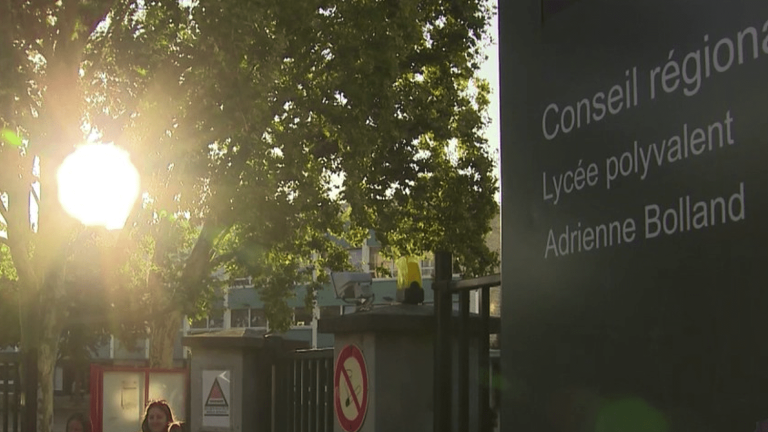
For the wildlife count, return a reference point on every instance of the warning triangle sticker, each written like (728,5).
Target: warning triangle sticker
(216,396)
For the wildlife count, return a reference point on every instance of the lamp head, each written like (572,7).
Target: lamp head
(352,286)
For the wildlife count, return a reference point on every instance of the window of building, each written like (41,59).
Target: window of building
(239,318)
(241,282)
(428,266)
(356,259)
(201,323)
(302,317)
(216,319)
(258,318)
(330,311)
(374,261)
(380,266)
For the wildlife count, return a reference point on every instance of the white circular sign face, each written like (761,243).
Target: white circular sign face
(351,388)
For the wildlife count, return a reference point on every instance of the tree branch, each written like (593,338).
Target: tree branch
(34,195)
(4,213)
(39,48)
(65,25)
(94,20)
(133,217)
(118,18)
(198,264)
(22,263)
(32,28)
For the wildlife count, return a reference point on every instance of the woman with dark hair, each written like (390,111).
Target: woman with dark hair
(158,417)
(78,422)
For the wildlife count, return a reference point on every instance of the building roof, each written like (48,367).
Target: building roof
(395,318)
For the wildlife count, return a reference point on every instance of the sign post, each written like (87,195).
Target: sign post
(350,388)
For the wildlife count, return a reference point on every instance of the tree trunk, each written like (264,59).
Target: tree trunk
(48,347)
(163,331)
(40,257)
(46,365)
(41,333)
(164,328)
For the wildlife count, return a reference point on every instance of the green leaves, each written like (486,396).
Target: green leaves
(265,132)
(9,300)
(9,137)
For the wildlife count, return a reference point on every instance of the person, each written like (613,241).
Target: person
(762,426)
(175,427)
(158,417)
(78,422)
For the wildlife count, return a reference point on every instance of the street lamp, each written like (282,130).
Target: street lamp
(354,288)
(98,185)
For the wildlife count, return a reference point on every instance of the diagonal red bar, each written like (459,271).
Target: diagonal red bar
(351,389)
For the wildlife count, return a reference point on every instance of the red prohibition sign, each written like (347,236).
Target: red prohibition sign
(350,380)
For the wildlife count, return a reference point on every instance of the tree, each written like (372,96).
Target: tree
(266,117)
(9,301)
(262,130)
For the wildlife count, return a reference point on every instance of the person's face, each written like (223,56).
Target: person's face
(157,420)
(75,426)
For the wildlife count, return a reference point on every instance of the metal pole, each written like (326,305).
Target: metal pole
(5,391)
(443,355)
(484,356)
(464,362)
(30,390)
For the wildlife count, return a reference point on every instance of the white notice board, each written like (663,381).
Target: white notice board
(216,398)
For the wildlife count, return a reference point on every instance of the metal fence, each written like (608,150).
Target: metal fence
(16,413)
(302,391)
(10,393)
(302,381)
(449,327)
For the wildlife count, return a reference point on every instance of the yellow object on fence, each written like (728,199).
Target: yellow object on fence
(408,271)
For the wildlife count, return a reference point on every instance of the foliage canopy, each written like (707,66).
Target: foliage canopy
(262,131)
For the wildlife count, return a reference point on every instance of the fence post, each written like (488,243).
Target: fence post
(30,390)
(484,358)
(443,353)
(463,362)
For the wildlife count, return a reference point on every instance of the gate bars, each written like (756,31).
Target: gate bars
(444,289)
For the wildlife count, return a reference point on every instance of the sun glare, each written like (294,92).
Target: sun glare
(98,185)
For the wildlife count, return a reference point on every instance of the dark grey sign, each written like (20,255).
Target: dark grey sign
(635,214)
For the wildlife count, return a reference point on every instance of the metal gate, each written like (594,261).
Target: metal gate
(302,381)
(17,413)
(446,401)
(302,391)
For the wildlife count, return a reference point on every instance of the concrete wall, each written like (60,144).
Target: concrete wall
(217,359)
(136,352)
(251,394)
(404,368)
(367,344)
(242,298)
(400,374)
(304,334)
